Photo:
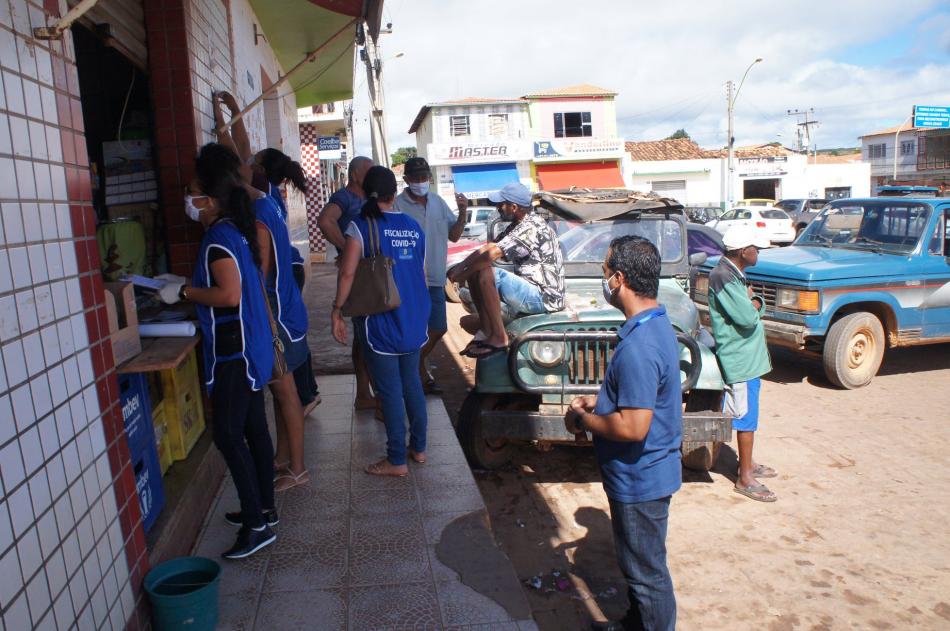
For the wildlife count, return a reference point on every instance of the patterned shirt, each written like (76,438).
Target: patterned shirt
(532,247)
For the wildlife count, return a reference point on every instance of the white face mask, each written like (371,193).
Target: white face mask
(193,212)
(608,292)
(419,189)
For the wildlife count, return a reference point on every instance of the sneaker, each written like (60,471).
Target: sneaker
(270,518)
(250,541)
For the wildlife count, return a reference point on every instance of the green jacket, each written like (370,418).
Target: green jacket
(736,325)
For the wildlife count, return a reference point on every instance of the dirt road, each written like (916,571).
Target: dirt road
(857,540)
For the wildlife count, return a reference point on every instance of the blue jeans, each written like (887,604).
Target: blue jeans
(399,389)
(520,295)
(640,537)
(438,321)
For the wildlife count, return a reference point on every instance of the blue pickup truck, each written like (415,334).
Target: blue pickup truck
(866,275)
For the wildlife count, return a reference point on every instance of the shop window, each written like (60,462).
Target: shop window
(459,126)
(498,125)
(572,125)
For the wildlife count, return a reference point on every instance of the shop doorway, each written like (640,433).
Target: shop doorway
(761,189)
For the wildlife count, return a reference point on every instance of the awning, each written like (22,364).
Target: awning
(295,28)
(552,177)
(478,180)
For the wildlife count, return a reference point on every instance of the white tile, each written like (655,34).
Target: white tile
(20,136)
(60,297)
(9,320)
(38,140)
(21,510)
(56,572)
(32,450)
(71,461)
(6,531)
(50,114)
(14,362)
(29,551)
(10,581)
(63,608)
(118,545)
(44,186)
(51,351)
(8,189)
(77,414)
(23,411)
(58,179)
(97,437)
(6,277)
(18,616)
(6,17)
(71,369)
(31,227)
(7,430)
(66,337)
(85,451)
(86,373)
(54,255)
(104,473)
(42,399)
(39,492)
(8,52)
(31,95)
(77,495)
(48,222)
(12,219)
(70,268)
(64,521)
(90,479)
(6,142)
(13,88)
(87,538)
(45,312)
(11,466)
(98,522)
(3,378)
(80,595)
(49,535)
(57,479)
(26,57)
(49,439)
(19,267)
(21,17)
(72,555)
(57,385)
(44,65)
(74,294)
(64,222)
(37,593)
(26,310)
(25,179)
(33,350)
(99,608)
(80,334)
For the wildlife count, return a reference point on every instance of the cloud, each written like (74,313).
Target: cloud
(669,62)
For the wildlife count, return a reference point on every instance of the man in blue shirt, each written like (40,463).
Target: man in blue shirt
(636,421)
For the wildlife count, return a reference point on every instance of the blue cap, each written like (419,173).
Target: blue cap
(516,193)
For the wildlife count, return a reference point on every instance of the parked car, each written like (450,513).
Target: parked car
(476,228)
(802,211)
(773,223)
(703,214)
(754,201)
(866,275)
(521,396)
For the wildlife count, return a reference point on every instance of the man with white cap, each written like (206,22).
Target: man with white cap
(537,284)
(743,355)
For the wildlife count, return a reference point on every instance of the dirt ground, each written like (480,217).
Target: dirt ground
(857,540)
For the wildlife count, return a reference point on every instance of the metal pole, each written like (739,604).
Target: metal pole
(730,167)
(897,135)
(377,118)
(56,31)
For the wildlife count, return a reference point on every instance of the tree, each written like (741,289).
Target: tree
(402,154)
(676,135)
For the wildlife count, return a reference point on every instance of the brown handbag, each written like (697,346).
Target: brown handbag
(374,288)
(280,362)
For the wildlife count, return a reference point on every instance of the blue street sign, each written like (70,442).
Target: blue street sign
(932,116)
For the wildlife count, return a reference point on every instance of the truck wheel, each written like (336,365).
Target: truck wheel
(481,452)
(452,292)
(853,350)
(701,456)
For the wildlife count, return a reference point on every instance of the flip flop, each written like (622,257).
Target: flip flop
(378,468)
(759,493)
(298,479)
(472,346)
(489,349)
(764,471)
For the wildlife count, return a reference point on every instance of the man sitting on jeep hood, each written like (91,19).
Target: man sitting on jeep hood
(537,284)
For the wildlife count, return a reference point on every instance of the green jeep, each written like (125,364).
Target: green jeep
(521,396)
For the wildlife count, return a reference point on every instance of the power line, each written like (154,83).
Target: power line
(694,97)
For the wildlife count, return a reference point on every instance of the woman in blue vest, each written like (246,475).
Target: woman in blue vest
(238,351)
(390,340)
(290,315)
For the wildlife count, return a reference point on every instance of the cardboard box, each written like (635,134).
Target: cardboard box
(123,321)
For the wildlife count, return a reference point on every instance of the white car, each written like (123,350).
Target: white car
(773,222)
(479,217)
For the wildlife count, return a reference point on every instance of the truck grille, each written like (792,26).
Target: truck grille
(589,358)
(767,291)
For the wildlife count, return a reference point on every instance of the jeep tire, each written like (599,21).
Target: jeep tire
(854,348)
(480,452)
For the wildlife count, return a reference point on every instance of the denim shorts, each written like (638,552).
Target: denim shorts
(520,295)
(438,321)
(295,353)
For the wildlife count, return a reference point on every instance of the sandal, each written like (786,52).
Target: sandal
(384,468)
(471,346)
(486,350)
(418,457)
(293,480)
(764,471)
(758,492)
(310,406)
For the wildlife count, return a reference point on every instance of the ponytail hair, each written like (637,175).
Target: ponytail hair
(216,168)
(379,184)
(279,167)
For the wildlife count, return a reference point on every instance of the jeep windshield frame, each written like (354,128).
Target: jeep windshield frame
(891,226)
(585,245)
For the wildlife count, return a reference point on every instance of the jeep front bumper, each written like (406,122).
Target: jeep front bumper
(784,334)
(706,426)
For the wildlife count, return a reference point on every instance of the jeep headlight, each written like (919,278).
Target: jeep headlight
(547,354)
(803,301)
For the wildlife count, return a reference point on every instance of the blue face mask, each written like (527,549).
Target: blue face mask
(608,292)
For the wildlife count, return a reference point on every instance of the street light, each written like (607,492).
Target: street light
(732,103)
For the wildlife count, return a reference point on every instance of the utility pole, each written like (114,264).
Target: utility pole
(370,55)
(804,129)
(730,142)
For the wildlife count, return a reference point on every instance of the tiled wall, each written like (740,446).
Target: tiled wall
(71,547)
(316,188)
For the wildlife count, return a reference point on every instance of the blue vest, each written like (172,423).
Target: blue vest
(258,349)
(404,329)
(291,314)
(296,259)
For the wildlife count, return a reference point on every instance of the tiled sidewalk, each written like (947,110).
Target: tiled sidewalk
(358,552)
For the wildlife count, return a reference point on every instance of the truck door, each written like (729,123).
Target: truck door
(936,303)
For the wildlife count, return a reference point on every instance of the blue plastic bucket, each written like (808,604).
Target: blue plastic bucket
(184,594)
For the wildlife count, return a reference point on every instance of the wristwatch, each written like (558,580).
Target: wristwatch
(183,293)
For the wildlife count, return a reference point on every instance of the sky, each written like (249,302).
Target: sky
(860,65)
